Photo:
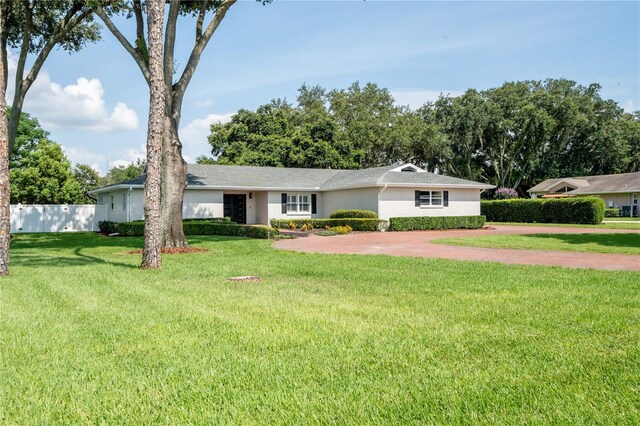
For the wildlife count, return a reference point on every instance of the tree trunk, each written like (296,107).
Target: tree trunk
(5,206)
(151,258)
(174,182)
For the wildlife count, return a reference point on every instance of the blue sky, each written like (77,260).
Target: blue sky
(95,102)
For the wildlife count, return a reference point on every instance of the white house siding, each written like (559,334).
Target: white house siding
(275,207)
(399,202)
(617,200)
(360,198)
(262,207)
(203,203)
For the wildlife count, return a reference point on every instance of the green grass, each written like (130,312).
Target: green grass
(631,225)
(624,219)
(598,243)
(346,339)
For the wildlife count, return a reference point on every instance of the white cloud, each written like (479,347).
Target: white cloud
(416,98)
(132,155)
(78,106)
(194,135)
(84,156)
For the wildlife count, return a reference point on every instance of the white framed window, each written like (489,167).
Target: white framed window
(635,199)
(111,203)
(100,200)
(124,201)
(298,203)
(431,199)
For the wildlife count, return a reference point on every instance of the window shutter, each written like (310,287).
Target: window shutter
(446,198)
(417,198)
(284,203)
(314,208)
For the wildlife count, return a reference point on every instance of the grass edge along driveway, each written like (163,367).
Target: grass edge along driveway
(619,243)
(89,338)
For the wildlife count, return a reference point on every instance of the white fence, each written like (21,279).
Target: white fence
(56,217)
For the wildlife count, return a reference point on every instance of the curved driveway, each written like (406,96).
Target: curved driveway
(418,244)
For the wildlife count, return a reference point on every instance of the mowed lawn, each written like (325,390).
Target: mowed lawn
(597,243)
(632,224)
(89,338)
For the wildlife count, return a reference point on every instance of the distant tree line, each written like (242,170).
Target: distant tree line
(41,174)
(513,136)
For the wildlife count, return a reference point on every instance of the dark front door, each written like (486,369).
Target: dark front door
(235,207)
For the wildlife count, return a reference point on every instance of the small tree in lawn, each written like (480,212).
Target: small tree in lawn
(5,207)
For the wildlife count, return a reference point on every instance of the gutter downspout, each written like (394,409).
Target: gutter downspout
(129,204)
(380,193)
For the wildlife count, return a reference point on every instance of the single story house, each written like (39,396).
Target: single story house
(617,191)
(255,195)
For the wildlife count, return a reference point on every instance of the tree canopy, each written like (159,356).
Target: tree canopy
(515,135)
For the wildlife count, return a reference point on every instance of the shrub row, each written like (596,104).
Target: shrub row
(136,229)
(351,214)
(584,210)
(357,224)
(612,212)
(107,227)
(439,222)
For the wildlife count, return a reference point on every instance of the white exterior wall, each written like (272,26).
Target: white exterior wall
(262,207)
(400,202)
(203,203)
(617,200)
(275,207)
(360,199)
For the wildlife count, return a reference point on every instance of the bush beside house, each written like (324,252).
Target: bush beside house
(351,214)
(433,223)
(614,212)
(205,227)
(357,224)
(581,210)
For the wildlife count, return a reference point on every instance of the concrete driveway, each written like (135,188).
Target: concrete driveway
(418,244)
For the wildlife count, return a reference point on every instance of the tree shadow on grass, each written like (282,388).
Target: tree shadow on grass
(607,240)
(62,261)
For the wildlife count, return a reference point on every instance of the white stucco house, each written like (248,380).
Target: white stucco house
(255,195)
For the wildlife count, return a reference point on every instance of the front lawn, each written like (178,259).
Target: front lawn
(598,243)
(628,225)
(89,338)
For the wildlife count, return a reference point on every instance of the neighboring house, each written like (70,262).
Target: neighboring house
(255,195)
(621,190)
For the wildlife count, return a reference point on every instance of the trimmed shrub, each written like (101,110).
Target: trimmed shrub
(416,223)
(612,212)
(107,227)
(136,229)
(582,210)
(351,214)
(357,224)
(341,229)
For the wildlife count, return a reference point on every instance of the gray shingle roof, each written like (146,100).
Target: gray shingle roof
(624,182)
(276,178)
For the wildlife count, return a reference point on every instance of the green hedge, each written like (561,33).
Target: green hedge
(612,212)
(136,229)
(584,210)
(357,224)
(352,214)
(107,227)
(439,222)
